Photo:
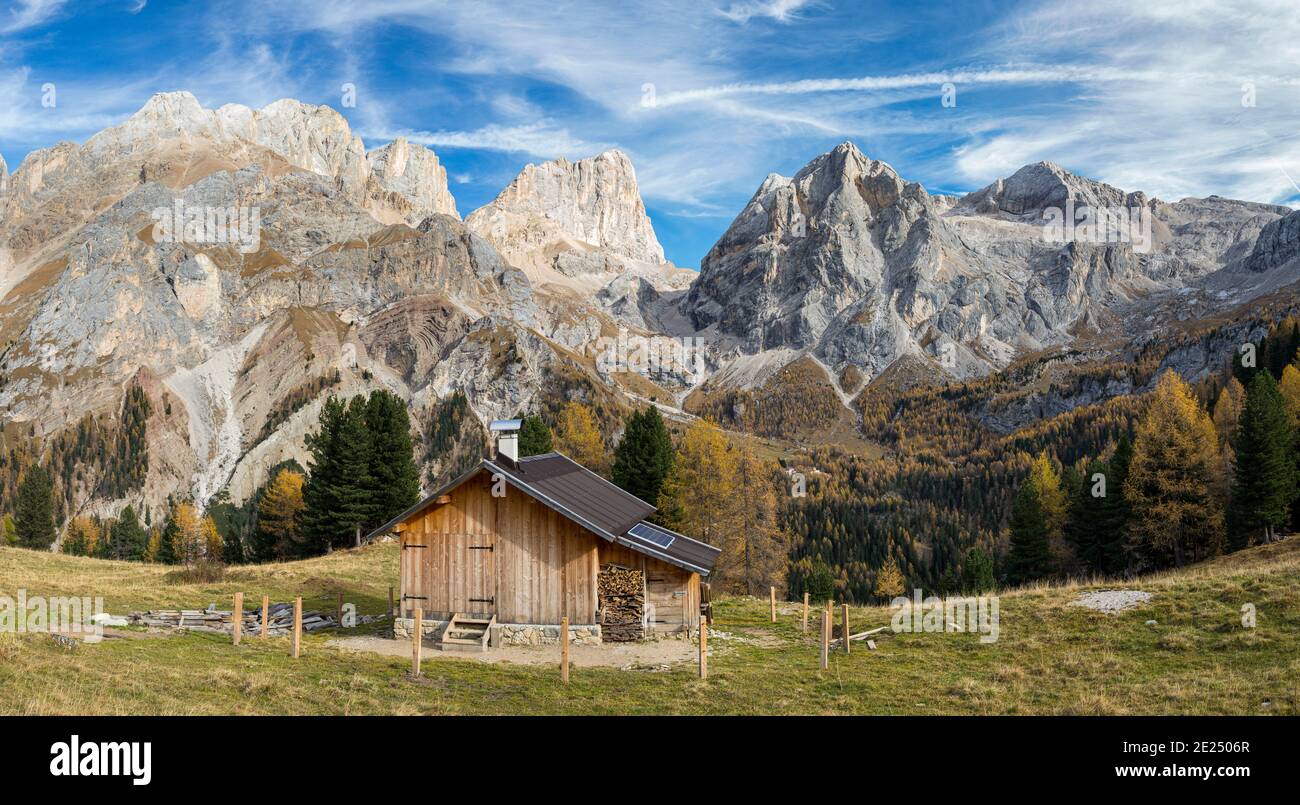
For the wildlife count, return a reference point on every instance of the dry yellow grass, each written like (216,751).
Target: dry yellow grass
(1051,657)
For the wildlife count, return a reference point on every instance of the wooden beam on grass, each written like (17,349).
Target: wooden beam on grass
(237,619)
(564,650)
(297,627)
(417,641)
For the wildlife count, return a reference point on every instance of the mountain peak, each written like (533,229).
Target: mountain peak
(1042,185)
(562,206)
(415,172)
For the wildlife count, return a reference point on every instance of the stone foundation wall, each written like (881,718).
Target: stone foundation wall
(432,629)
(529,634)
(507,634)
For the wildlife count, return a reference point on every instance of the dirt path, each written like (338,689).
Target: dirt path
(654,656)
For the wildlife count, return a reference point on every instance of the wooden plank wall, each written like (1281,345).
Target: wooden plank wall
(542,566)
(673,612)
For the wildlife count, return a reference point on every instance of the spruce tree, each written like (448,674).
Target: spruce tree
(394,476)
(1030,556)
(644,456)
(1115,511)
(977,572)
(337,492)
(1265,482)
(1086,526)
(127,539)
(534,437)
(34,509)
(167,541)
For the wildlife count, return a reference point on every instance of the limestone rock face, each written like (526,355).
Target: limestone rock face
(570,216)
(1278,244)
(356,273)
(414,172)
(850,263)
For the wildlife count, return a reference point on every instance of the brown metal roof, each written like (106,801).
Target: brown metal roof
(579,490)
(571,489)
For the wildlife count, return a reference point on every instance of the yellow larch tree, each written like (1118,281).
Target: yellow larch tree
(1176,513)
(578,436)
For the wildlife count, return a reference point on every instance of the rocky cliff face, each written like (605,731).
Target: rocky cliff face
(571,216)
(850,263)
(245,332)
(356,273)
(413,173)
(1278,245)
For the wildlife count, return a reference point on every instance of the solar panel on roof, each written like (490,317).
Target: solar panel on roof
(652,535)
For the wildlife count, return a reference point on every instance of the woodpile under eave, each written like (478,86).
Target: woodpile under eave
(622,604)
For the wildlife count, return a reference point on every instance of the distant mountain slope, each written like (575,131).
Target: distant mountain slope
(347,270)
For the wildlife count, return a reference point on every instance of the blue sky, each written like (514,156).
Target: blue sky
(1145,95)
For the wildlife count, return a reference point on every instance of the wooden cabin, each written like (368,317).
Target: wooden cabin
(521,543)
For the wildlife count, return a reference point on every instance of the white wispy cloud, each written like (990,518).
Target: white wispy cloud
(779,10)
(29,14)
(541,139)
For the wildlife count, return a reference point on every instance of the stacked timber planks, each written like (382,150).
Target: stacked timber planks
(622,603)
(212,619)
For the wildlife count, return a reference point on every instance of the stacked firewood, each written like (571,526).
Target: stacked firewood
(622,604)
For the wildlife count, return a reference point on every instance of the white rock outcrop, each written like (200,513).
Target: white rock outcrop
(569,215)
(414,172)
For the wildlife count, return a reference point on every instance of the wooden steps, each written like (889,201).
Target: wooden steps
(464,633)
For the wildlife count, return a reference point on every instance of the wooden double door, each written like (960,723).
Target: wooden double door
(450,573)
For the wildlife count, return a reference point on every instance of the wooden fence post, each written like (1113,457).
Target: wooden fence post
(564,650)
(417,641)
(805,612)
(826,640)
(392,608)
(266,616)
(297,627)
(704,649)
(237,619)
(844,612)
(772,597)
(339,616)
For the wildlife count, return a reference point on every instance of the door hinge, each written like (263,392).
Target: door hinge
(492,600)
(416,597)
(481,547)
(404,547)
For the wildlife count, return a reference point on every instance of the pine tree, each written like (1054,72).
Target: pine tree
(1176,514)
(534,436)
(279,517)
(889,582)
(395,478)
(127,539)
(977,572)
(578,436)
(1265,482)
(166,554)
(184,534)
(759,540)
(1289,387)
(338,487)
(34,509)
(1227,409)
(697,498)
(153,545)
(1086,528)
(644,456)
(82,535)
(1030,555)
(1115,512)
(213,547)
